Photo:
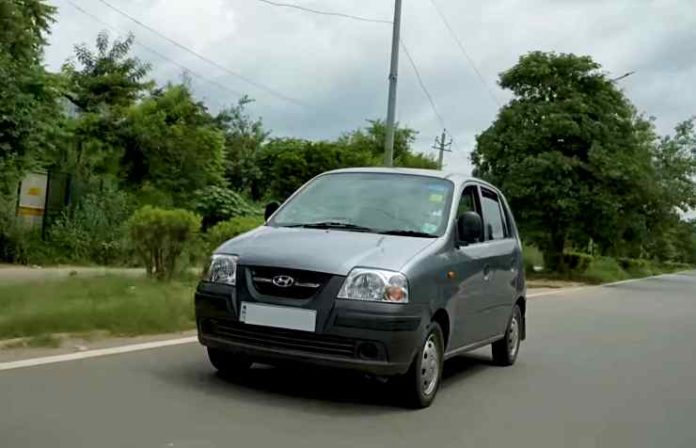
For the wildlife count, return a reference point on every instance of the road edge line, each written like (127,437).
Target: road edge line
(620,282)
(31,362)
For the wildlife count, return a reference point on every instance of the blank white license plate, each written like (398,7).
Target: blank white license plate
(278,317)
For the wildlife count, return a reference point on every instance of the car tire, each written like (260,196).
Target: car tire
(505,350)
(420,385)
(228,363)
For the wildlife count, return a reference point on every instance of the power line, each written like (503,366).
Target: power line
(324,13)
(364,19)
(422,85)
(172,61)
(257,84)
(465,53)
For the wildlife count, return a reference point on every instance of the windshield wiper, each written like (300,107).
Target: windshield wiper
(332,225)
(408,233)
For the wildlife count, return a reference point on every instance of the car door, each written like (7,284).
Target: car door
(502,252)
(468,293)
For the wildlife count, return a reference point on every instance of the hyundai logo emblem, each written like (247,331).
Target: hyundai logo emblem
(283,281)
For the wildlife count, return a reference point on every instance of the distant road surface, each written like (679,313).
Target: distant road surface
(611,366)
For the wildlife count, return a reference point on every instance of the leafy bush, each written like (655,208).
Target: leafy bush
(576,261)
(160,237)
(532,258)
(604,270)
(94,231)
(218,204)
(226,230)
(637,268)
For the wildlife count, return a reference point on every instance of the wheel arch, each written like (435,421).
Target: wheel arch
(442,318)
(521,302)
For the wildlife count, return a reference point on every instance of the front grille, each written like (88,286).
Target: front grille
(302,284)
(279,339)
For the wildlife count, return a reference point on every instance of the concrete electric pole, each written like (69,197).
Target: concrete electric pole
(393,75)
(442,145)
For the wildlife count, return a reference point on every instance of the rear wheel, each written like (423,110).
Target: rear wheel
(228,363)
(505,350)
(422,381)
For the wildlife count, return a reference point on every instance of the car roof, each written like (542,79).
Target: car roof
(456,177)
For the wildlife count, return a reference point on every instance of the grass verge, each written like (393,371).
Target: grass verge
(118,305)
(599,270)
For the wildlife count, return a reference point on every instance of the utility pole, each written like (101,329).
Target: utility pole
(443,146)
(393,75)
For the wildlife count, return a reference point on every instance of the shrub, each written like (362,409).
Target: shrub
(160,237)
(636,268)
(532,258)
(604,270)
(577,262)
(226,230)
(94,231)
(218,204)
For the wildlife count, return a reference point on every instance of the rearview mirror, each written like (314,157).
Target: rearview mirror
(469,228)
(270,209)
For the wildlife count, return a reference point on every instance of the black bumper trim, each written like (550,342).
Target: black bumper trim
(376,322)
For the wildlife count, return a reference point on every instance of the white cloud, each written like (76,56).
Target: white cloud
(339,67)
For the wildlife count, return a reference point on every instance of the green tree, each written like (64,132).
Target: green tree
(571,154)
(103,85)
(107,77)
(371,139)
(244,137)
(28,105)
(288,163)
(173,145)
(27,93)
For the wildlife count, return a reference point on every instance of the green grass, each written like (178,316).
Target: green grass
(118,305)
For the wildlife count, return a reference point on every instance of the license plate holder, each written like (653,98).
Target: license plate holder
(275,316)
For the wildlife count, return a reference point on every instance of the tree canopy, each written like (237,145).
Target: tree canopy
(576,160)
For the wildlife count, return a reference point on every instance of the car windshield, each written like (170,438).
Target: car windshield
(398,204)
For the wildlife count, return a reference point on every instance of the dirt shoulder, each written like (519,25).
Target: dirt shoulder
(20,274)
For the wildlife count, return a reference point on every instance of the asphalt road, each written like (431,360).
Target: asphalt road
(603,367)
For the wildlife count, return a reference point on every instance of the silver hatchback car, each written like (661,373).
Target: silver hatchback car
(384,271)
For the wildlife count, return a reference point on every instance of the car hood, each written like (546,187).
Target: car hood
(331,251)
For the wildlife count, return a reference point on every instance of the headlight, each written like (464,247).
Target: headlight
(222,269)
(375,285)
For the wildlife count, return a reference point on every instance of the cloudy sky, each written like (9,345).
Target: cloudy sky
(337,68)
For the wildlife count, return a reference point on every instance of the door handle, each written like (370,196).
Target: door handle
(487,272)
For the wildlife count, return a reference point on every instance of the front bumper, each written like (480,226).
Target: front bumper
(375,338)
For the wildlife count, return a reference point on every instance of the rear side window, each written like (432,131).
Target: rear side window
(493,221)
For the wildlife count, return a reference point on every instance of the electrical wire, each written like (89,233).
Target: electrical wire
(460,44)
(412,62)
(246,79)
(324,13)
(155,52)
(422,84)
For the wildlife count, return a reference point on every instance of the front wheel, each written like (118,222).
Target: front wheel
(228,363)
(505,350)
(422,381)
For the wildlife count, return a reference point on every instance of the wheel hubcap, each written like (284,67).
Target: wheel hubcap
(430,366)
(513,339)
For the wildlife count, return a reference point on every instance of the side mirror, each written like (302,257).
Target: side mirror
(270,209)
(469,228)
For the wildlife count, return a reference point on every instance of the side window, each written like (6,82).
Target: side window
(468,202)
(493,221)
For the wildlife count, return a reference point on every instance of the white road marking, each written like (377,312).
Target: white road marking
(582,288)
(95,353)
